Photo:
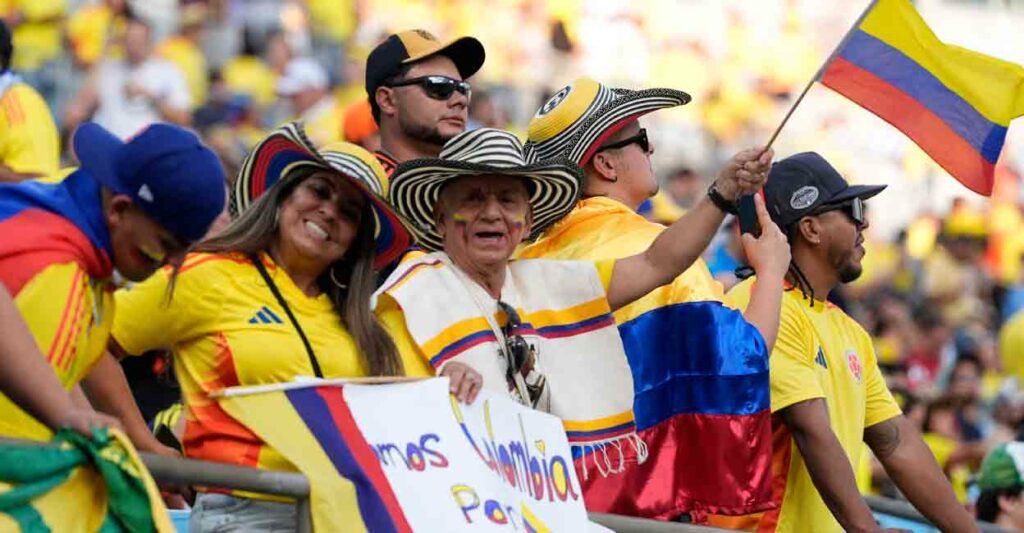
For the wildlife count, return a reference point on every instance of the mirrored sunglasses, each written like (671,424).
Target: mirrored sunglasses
(437,87)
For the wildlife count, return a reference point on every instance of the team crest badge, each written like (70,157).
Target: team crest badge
(552,103)
(853,360)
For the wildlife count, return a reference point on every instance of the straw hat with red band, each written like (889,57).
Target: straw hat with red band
(288,148)
(581,117)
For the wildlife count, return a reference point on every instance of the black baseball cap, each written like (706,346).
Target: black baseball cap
(411,46)
(803,183)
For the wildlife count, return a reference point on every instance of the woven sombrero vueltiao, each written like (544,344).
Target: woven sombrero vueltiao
(578,119)
(554,185)
(288,148)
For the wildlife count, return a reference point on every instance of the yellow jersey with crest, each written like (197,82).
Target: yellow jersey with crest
(820,352)
(227,329)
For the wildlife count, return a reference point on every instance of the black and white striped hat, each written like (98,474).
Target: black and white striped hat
(554,184)
(578,119)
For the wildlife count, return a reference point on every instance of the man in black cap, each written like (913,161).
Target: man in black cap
(418,93)
(827,392)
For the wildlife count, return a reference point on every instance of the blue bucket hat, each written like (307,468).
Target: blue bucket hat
(165,169)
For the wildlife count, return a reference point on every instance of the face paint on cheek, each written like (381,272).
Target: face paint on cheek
(460,220)
(518,221)
(151,254)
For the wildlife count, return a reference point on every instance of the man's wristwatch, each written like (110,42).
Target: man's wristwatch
(727,207)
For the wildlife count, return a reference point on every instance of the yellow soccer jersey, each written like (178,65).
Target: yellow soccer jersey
(820,353)
(70,316)
(226,329)
(29,142)
(37,38)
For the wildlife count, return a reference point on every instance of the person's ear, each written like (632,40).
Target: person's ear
(439,217)
(117,209)
(386,100)
(528,224)
(1007,503)
(811,230)
(604,167)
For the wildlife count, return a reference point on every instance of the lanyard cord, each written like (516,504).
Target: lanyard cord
(288,311)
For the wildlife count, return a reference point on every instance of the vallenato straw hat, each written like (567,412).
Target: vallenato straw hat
(287,148)
(554,185)
(578,119)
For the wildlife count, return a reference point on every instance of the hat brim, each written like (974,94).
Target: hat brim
(466,52)
(96,150)
(416,185)
(856,191)
(288,148)
(627,106)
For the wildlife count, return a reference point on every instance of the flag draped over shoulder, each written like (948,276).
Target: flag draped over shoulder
(700,375)
(78,485)
(956,104)
(314,429)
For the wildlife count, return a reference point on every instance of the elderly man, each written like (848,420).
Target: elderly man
(418,93)
(682,340)
(538,330)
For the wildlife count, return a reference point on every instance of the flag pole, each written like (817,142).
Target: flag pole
(820,70)
(748,214)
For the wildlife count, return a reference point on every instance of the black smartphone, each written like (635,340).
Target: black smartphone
(748,216)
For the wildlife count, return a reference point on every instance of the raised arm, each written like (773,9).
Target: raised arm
(682,243)
(828,464)
(769,256)
(27,379)
(911,465)
(679,245)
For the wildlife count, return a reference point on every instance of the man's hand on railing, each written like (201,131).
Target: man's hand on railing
(175,496)
(83,421)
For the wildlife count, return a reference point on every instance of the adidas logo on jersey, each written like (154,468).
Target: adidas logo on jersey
(265,316)
(820,359)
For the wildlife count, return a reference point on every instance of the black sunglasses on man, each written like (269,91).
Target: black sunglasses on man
(640,139)
(436,87)
(853,208)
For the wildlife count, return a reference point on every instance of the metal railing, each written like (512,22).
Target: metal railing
(902,509)
(193,472)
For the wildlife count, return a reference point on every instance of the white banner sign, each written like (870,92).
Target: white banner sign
(490,466)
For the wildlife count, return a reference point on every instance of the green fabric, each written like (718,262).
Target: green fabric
(35,470)
(29,519)
(1001,468)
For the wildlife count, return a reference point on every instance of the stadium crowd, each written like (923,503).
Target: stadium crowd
(940,295)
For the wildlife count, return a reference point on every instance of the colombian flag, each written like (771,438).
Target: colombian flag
(954,103)
(48,223)
(700,381)
(313,428)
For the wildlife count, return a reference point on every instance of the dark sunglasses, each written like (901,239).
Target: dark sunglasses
(639,138)
(853,208)
(437,87)
(516,347)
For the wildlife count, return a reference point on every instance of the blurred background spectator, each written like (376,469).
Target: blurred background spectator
(943,286)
